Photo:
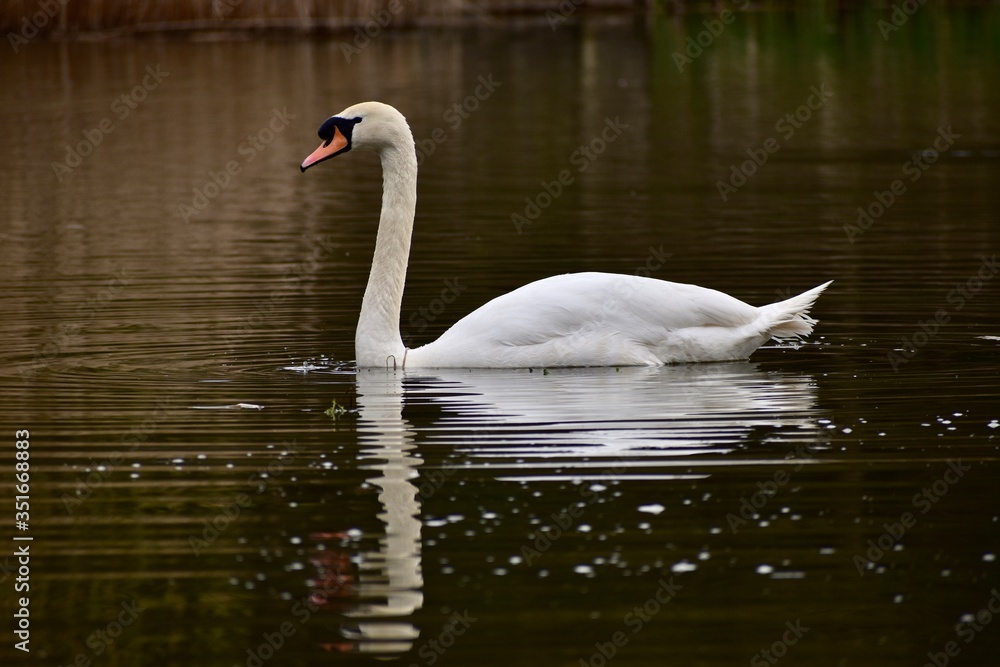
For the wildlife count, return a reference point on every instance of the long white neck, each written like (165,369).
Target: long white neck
(377,342)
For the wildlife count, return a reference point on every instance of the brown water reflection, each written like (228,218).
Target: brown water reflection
(174,373)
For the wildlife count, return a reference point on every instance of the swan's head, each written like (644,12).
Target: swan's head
(369,126)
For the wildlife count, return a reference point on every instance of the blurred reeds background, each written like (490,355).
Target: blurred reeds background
(67,18)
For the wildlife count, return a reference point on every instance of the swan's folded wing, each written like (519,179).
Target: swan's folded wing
(586,318)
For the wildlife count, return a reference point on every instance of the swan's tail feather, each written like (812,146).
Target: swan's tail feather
(790,318)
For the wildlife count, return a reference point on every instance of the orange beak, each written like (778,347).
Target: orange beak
(327,149)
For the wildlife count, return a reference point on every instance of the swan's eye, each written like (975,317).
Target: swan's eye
(329,127)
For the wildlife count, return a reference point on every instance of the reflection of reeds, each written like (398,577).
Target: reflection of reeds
(67,17)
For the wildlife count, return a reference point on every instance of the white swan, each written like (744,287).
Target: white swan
(578,319)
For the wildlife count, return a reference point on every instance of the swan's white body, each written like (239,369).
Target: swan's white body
(578,319)
(605,319)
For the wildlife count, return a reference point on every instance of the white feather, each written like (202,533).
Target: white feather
(605,319)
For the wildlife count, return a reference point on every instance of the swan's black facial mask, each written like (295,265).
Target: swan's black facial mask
(336,133)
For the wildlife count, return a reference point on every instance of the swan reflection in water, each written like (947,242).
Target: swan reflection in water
(644,419)
(389,583)
(544,426)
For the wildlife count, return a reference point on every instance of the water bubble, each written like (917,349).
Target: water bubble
(796,574)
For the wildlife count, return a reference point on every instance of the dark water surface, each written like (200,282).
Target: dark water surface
(179,309)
